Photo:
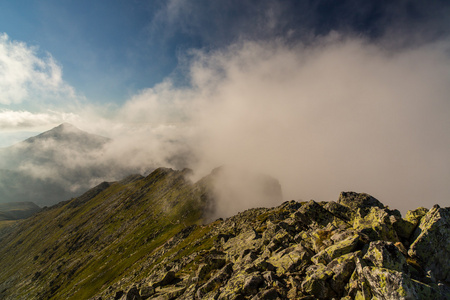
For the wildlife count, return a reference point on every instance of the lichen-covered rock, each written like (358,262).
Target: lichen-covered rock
(164,279)
(217,280)
(342,267)
(359,201)
(291,258)
(431,245)
(406,226)
(388,284)
(375,222)
(132,294)
(146,292)
(313,214)
(247,240)
(336,250)
(252,284)
(414,216)
(316,282)
(341,211)
(386,255)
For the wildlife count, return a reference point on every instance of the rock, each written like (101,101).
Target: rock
(342,268)
(386,255)
(388,284)
(341,211)
(414,216)
(316,282)
(431,245)
(356,201)
(146,292)
(213,263)
(313,214)
(118,295)
(220,278)
(234,286)
(375,222)
(270,294)
(165,279)
(169,292)
(290,259)
(343,247)
(132,294)
(247,240)
(252,283)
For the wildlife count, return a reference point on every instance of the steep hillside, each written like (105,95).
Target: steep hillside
(146,238)
(73,249)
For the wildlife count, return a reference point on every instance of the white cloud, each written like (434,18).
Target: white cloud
(26,77)
(19,120)
(341,114)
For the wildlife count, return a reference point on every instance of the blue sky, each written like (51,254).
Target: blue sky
(246,82)
(109,50)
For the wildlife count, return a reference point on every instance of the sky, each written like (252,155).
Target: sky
(324,95)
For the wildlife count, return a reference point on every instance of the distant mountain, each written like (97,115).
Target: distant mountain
(146,238)
(52,166)
(50,147)
(17,210)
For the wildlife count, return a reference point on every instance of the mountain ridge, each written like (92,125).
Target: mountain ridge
(149,237)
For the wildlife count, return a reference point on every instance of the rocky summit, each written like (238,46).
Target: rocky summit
(146,238)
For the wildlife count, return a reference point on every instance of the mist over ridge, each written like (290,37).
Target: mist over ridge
(340,114)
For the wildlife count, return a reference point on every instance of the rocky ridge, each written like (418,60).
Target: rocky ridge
(355,248)
(150,238)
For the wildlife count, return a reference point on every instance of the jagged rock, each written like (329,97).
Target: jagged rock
(431,244)
(247,240)
(313,213)
(386,255)
(165,279)
(132,294)
(414,216)
(217,280)
(341,211)
(362,202)
(234,287)
(342,267)
(388,284)
(252,283)
(375,222)
(270,294)
(169,292)
(336,250)
(291,258)
(316,282)
(213,263)
(146,292)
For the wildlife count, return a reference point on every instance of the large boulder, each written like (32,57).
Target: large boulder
(384,254)
(361,201)
(431,244)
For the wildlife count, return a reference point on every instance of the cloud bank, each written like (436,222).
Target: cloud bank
(340,114)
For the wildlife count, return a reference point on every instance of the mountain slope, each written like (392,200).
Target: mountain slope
(99,236)
(143,238)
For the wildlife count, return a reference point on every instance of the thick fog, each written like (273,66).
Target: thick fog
(339,114)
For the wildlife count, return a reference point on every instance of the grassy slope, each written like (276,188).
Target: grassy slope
(72,250)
